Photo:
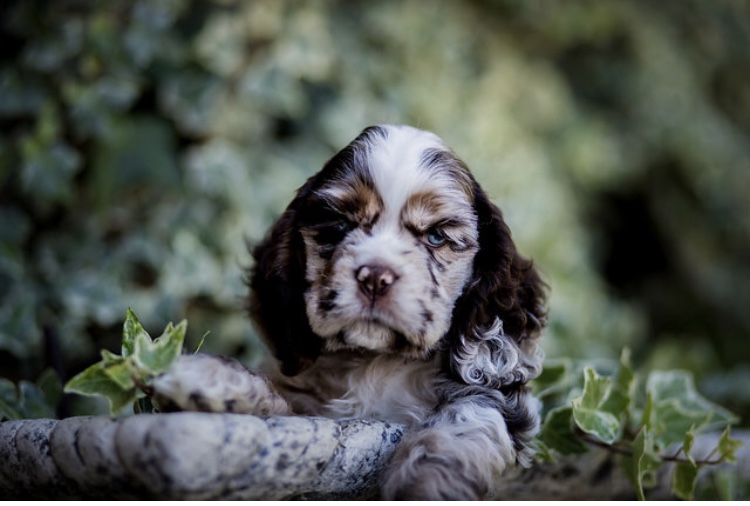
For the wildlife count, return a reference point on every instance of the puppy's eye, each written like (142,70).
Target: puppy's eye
(435,237)
(332,232)
(341,226)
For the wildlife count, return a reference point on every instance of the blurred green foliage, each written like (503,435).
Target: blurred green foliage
(144,141)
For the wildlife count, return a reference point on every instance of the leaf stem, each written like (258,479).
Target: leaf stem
(708,461)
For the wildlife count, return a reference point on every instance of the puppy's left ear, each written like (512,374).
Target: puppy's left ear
(497,320)
(277,287)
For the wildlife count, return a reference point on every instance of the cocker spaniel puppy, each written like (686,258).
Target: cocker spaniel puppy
(391,289)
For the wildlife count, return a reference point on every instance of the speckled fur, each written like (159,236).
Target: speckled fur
(447,346)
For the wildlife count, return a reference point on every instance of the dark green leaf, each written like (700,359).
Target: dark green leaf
(557,432)
(26,401)
(32,402)
(49,383)
(9,407)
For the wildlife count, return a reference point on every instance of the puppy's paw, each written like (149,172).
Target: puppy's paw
(215,384)
(422,470)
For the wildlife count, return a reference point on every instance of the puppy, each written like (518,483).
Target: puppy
(391,289)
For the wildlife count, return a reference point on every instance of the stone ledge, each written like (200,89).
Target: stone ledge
(193,456)
(201,456)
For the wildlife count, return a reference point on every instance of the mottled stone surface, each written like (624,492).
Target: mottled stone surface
(193,456)
(228,456)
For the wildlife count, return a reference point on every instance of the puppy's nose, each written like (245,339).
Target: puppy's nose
(375,280)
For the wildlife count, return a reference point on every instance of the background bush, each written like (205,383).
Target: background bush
(144,141)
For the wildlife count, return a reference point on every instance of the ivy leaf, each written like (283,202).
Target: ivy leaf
(51,386)
(96,381)
(621,392)
(686,472)
(683,480)
(595,389)
(728,446)
(554,378)
(542,452)
(677,407)
(130,329)
(601,424)
(588,411)
(119,369)
(32,402)
(687,445)
(557,433)
(9,409)
(155,357)
(200,343)
(118,377)
(644,463)
(26,401)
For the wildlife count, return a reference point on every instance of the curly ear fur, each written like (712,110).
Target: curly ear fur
(277,287)
(501,313)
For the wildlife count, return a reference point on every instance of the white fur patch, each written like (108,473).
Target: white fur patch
(395,165)
(427,281)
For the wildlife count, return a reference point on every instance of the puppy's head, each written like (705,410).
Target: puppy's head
(393,248)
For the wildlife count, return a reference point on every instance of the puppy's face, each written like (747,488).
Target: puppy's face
(390,235)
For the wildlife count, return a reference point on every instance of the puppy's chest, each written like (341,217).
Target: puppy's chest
(383,388)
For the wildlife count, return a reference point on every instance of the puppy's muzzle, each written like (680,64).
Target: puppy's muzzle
(375,280)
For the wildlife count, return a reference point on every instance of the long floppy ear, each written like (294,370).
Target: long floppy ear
(501,312)
(277,286)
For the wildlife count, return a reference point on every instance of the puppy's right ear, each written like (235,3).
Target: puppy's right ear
(277,287)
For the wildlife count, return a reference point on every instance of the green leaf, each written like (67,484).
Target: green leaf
(605,426)
(644,463)
(96,381)
(8,412)
(49,383)
(9,408)
(557,432)
(685,473)
(554,378)
(647,418)
(130,329)
(672,421)
(32,401)
(595,389)
(155,357)
(120,370)
(728,446)
(687,445)
(677,407)
(621,393)
(200,343)
(588,411)
(683,480)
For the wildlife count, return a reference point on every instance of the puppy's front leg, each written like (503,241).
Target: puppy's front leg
(218,385)
(459,452)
